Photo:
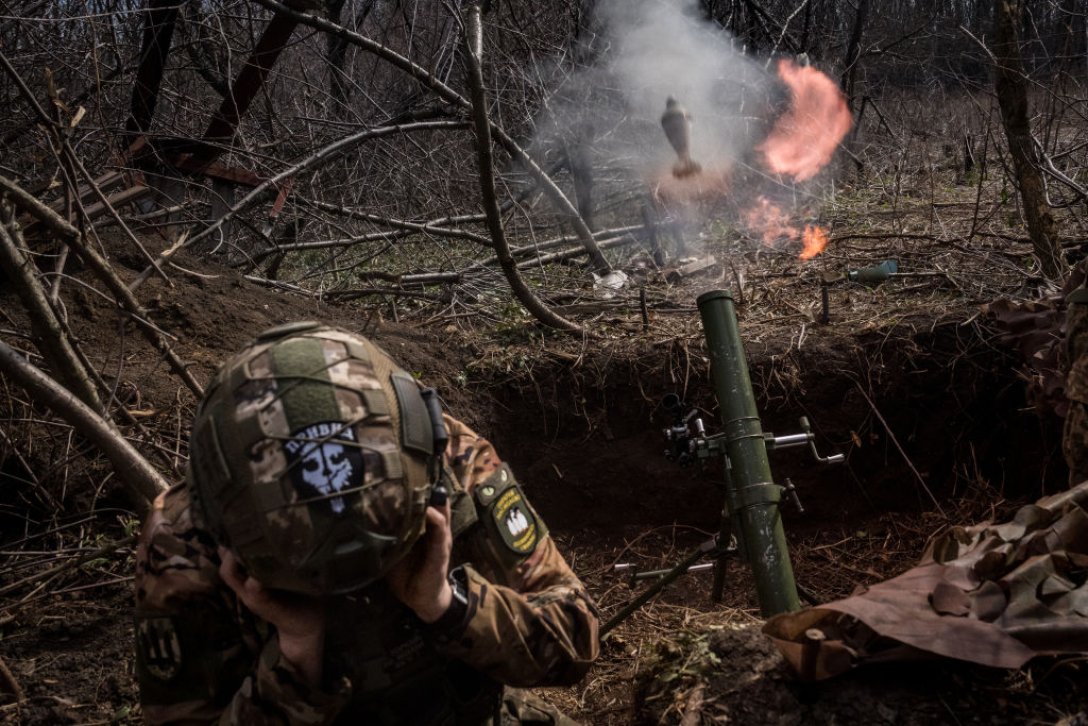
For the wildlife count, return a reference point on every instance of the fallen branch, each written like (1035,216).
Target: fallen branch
(141,480)
(49,338)
(101,268)
(341,295)
(432,227)
(606,244)
(324,244)
(602,236)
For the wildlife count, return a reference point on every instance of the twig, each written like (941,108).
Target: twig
(70,564)
(972,36)
(323,154)
(902,453)
(9,679)
(70,153)
(164,257)
(429,80)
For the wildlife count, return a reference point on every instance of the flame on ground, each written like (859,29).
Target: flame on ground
(804,138)
(814,240)
(769,221)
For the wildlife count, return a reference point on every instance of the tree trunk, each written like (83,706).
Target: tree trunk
(336,52)
(853,52)
(1012,95)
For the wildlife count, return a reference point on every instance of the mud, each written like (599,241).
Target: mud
(937,410)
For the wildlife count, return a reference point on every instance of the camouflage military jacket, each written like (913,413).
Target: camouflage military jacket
(1076,345)
(202,657)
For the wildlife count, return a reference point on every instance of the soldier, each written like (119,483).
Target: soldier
(1075,435)
(301,573)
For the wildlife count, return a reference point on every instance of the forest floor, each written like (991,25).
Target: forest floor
(912,379)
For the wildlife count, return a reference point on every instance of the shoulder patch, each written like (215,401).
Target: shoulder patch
(508,514)
(158,647)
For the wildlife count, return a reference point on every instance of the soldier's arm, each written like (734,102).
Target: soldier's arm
(529,620)
(199,657)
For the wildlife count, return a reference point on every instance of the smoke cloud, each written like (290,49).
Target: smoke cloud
(658,49)
(609,115)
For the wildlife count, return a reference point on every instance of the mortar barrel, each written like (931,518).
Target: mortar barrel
(752,497)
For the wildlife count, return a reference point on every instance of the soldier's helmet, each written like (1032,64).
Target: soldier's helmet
(311,458)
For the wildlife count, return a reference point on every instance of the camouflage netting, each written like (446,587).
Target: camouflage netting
(996,595)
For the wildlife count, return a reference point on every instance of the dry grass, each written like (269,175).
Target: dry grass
(830,563)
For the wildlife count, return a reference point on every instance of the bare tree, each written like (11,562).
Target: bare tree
(1012,94)
(853,50)
(473,59)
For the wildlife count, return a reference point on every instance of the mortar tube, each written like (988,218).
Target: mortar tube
(751,495)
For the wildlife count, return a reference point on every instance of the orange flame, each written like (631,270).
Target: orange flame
(804,138)
(814,240)
(773,225)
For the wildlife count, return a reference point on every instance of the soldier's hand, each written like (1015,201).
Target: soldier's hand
(421,579)
(299,620)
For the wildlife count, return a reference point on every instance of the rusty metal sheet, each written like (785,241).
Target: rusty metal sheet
(246,86)
(215,170)
(158,35)
(198,156)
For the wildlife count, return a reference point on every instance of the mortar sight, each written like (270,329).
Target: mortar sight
(683,432)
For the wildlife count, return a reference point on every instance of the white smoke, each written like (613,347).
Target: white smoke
(649,50)
(662,48)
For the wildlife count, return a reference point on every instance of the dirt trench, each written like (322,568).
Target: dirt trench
(932,412)
(583,431)
(933,420)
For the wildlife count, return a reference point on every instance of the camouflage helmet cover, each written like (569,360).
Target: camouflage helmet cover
(309,457)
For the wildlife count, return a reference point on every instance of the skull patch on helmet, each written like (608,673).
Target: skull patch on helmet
(324,460)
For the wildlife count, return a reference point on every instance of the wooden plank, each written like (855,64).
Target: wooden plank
(121,198)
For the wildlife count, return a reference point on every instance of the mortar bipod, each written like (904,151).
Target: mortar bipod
(707,549)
